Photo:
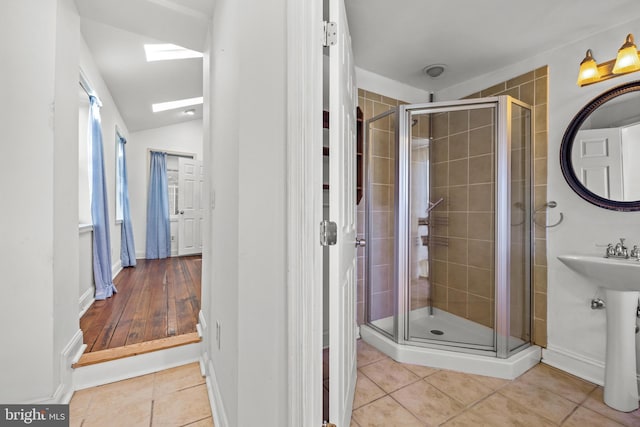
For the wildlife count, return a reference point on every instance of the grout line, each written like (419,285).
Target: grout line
(151,417)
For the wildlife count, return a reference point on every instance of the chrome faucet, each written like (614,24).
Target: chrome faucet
(619,250)
(635,253)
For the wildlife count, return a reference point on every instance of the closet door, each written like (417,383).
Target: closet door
(190,211)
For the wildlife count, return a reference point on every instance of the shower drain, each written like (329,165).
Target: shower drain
(436,332)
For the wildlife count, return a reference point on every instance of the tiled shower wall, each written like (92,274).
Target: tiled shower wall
(477,301)
(382,201)
(462,227)
(532,88)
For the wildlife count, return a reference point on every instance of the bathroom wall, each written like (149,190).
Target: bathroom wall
(575,334)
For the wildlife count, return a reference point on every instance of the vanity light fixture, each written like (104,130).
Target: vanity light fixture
(627,61)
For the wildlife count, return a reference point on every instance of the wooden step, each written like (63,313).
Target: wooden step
(136,349)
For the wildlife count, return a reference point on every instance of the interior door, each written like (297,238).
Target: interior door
(191,215)
(342,210)
(597,161)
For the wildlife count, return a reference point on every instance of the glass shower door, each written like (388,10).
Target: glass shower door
(451,221)
(381,290)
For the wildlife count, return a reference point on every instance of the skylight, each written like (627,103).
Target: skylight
(165,52)
(171,105)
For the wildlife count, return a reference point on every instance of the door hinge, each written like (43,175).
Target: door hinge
(328,233)
(329,33)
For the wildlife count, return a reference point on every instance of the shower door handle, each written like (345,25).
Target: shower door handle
(360,243)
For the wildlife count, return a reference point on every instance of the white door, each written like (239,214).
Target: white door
(190,212)
(342,210)
(597,161)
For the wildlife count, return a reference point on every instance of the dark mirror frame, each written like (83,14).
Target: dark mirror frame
(567,145)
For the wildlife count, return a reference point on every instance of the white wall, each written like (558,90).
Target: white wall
(576,334)
(248,225)
(183,137)
(110,118)
(39,258)
(385,86)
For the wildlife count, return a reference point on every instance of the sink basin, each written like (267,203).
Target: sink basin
(610,273)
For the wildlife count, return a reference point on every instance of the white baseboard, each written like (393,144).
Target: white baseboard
(134,366)
(581,366)
(115,269)
(69,355)
(86,300)
(215,397)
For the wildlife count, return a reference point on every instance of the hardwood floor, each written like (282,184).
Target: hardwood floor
(156,299)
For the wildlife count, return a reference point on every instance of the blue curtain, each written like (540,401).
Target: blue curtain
(127,248)
(99,208)
(158,229)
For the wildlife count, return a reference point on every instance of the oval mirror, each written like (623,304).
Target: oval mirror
(600,151)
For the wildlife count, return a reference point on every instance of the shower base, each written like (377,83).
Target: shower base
(441,351)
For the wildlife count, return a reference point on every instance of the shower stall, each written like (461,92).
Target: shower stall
(448,227)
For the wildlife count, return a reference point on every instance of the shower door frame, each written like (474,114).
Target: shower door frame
(502,236)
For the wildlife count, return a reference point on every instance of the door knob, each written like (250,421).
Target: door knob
(181,212)
(360,243)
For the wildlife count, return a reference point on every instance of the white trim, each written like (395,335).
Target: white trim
(509,368)
(304,212)
(581,366)
(86,300)
(115,269)
(71,352)
(134,366)
(215,398)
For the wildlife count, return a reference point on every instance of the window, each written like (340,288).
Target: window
(120,170)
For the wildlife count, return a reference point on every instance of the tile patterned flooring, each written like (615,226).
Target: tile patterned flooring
(389,393)
(173,397)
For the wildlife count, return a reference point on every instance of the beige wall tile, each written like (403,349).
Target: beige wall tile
(493,90)
(481,117)
(481,197)
(458,198)
(459,172)
(481,141)
(440,150)
(458,224)
(481,254)
(480,225)
(459,146)
(458,250)
(521,79)
(480,282)
(458,121)
(457,302)
(457,277)
(480,169)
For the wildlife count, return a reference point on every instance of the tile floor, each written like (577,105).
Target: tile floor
(173,397)
(395,394)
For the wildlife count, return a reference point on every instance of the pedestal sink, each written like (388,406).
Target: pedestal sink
(620,278)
